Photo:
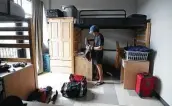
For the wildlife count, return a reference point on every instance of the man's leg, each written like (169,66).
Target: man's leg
(100,71)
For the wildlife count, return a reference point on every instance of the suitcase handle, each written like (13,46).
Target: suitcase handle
(145,74)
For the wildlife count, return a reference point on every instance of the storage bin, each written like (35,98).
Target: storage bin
(136,55)
(46,62)
(70,11)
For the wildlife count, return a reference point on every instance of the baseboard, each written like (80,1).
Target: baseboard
(161,99)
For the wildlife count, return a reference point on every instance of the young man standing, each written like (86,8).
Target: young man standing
(98,51)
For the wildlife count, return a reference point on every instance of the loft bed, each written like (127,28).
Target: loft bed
(11,11)
(110,19)
(14,80)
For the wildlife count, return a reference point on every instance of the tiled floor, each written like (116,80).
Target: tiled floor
(109,94)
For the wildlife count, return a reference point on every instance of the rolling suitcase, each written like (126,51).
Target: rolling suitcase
(145,85)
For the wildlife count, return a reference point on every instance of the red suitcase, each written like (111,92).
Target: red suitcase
(145,85)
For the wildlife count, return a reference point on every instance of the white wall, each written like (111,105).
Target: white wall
(159,11)
(129,5)
(110,35)
(46,3)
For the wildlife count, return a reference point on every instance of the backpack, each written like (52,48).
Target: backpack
(77,87)
(71,89)
(54,13)
(42,95)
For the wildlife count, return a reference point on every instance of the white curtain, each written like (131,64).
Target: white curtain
(38,27)
(45,33)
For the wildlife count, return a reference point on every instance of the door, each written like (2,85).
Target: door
(61,45)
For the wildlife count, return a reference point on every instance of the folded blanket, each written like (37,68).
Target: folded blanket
(137,48)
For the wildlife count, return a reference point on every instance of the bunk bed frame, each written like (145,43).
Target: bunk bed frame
(15,83)
(23,81)
(143,39)
(17,19)
(18,37)
(110,19)
(116,19)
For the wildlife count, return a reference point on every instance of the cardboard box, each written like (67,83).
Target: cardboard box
(130,71)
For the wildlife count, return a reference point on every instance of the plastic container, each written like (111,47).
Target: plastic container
(136,55)
(46,62)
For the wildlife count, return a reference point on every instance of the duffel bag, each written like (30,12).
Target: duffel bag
(82,80)
(73,90)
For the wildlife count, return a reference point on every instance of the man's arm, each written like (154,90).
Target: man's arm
(98,48)
(88,41)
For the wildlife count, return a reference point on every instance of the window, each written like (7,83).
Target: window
(27,6)
(18,2)
(12,52)
(7,52)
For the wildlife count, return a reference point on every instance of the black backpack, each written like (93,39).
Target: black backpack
(77,87)
(71,89)
(54,13)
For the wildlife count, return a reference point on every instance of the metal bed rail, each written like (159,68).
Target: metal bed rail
(101,13)
(122,13)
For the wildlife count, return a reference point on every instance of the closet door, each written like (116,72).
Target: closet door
(54,27)
(61,47)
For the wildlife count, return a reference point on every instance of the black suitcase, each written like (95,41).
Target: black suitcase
(54,13)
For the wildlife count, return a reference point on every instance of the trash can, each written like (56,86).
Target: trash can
(46,62)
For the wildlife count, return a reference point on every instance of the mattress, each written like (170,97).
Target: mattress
(15,9)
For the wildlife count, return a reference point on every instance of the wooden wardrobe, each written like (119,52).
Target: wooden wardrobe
(63,44)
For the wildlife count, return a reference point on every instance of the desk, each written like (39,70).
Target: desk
(83,67)
(129,71)
(19,83)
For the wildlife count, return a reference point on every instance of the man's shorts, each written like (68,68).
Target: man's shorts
(97,57)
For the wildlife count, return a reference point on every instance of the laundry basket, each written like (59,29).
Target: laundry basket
(137,53)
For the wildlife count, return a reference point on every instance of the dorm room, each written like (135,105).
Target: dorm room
(49,57)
